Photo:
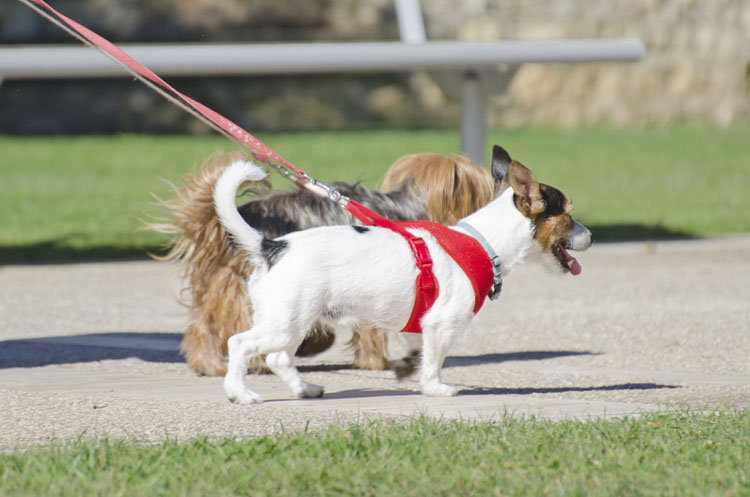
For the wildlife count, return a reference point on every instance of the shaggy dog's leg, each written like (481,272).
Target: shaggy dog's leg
(318,340)
(369,346)
(203,348)
(225,308)
(403,368)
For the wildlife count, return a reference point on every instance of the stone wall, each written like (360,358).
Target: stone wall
(697,66)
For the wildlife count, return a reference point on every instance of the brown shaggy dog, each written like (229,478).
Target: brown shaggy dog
(436,187)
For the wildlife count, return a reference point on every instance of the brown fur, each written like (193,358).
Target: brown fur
(214,269)
(453,185)
(550,209)
(551,229)
(216,272)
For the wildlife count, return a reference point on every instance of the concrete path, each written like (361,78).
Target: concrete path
(92,349)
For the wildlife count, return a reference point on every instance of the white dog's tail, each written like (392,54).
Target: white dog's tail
(225,194)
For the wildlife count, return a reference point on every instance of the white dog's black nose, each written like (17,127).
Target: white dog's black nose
(580,237)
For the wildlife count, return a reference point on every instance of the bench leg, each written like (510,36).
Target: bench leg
(473,116)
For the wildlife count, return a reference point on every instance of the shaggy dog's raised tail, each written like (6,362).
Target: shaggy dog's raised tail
(214,269)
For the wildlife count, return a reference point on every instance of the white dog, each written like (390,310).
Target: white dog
(346,275)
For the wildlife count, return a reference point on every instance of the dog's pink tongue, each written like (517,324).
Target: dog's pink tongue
(575,267)
(572,263)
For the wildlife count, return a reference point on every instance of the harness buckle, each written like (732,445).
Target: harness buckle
(497,281)
(424,261)
(497,287)
(421,252)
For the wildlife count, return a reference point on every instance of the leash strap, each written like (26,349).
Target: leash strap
(426,284)
(262,152)
(494,258)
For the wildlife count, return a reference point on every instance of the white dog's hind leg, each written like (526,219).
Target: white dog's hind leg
(240,352)
(261,339)
(282,364)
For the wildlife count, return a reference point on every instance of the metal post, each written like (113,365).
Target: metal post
(473,116)
(410,22)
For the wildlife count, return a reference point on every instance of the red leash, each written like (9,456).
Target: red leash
(426,288)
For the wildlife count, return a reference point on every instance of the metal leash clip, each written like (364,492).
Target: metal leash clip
(333,194)
(497,284)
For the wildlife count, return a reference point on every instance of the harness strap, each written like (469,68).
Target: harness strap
(467,253)
(426,285)
(476,261)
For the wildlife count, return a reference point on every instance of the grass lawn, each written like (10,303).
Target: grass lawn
(680,454)
(64,198)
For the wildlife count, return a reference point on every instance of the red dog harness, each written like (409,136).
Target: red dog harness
(465,250)
(468,253)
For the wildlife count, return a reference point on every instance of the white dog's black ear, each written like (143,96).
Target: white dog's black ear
(500,164)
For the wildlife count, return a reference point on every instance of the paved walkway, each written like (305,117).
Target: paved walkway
(92,348)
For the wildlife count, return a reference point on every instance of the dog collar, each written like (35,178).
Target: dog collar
(497,285)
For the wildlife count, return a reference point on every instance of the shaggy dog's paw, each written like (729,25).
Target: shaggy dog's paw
(219,370)
(403,368)
(207,366)
(377,363)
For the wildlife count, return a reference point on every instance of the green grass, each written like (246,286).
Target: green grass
(676,181)
(680,454)
(84,197)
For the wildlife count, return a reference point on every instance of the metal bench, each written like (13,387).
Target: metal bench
(410,54)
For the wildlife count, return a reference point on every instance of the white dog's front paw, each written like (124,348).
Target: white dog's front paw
(245,398)
(439,390)
(241,395)
(310,391)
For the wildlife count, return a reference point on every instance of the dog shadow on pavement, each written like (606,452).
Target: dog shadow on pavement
(48,351)
(542,390)
(164,347)
(532,355)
